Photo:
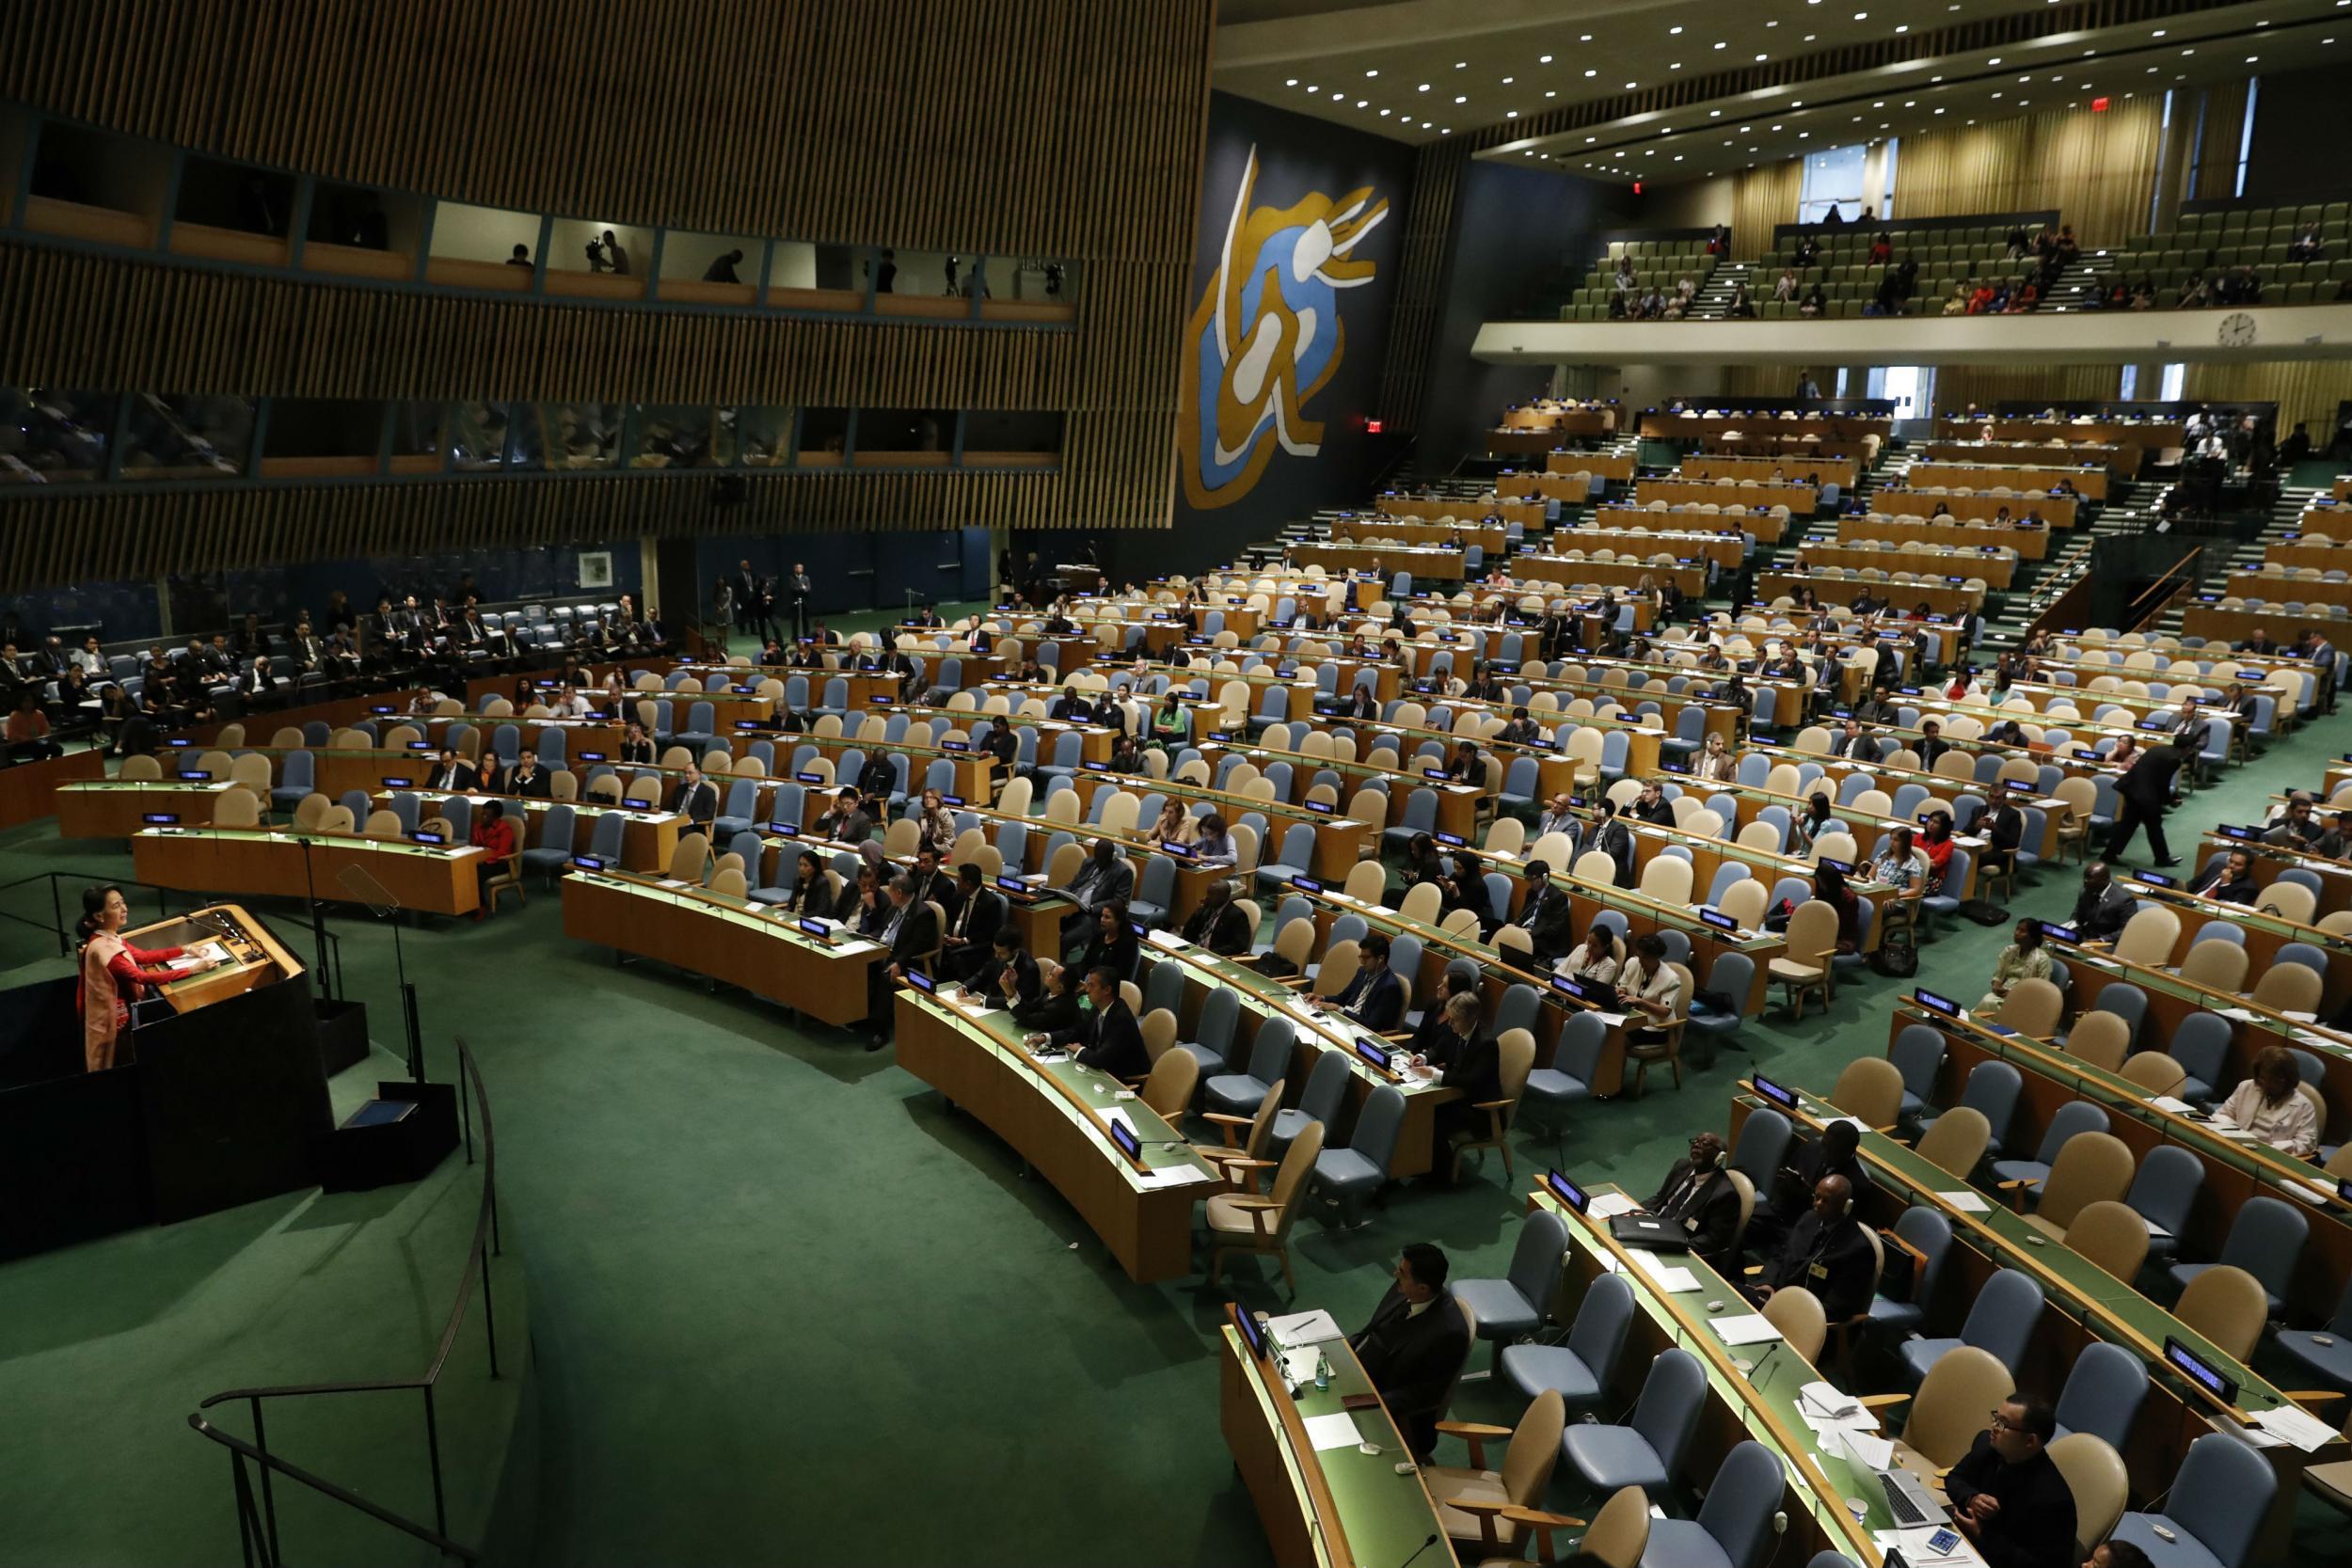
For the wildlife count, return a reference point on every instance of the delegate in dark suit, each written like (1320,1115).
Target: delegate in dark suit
(974,929)
(1701,1199)
(1374,999)
(1412,1359)
(1223,929)
(1833,1258)
(698,802)
(2145,790)
(1546,919)
(1110,1041)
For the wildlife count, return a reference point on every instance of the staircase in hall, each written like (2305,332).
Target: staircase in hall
(2074,284)
(2246,555)
(1714,296)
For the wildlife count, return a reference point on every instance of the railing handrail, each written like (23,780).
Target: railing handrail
(484,1219)
(2180,577)
(261,1526)
(326,1488)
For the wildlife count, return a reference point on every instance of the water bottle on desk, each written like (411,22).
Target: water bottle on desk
(1322,1373)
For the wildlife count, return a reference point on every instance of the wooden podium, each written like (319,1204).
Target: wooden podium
(218,1097)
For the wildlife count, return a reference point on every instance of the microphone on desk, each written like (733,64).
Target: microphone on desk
(1418,1551)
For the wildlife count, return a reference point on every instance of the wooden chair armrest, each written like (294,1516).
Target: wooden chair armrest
(1133,1082)
(1753,1269)
(1263,1212)
(1879,1401)
(1479,1505)
(1225,1119)
(1400,1036)
(1293,982)
(2314,1395)
(1494,1104)
(1472,1428)
(1242,1162)
(1538,1517)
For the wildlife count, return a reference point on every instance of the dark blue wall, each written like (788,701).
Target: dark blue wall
(859,571)
(1296,154)
(1513,228)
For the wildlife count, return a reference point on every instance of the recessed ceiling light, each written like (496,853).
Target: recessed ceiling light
(1584,38)
(1714,114)
(2253,59)
(1995,60)
(1372,73)
(1628,86)
(1997,95)
(1292,83)
(1460,65)
(1312,88)
(1722,45)
(1862,16)
(1939,111)
(1506,81)
(1674,32)
(1590,139)
(1551,95)
(1543,60)
(1590,72)
(1759,59)
(1879,105)
(1423,88)
(1461,99)
(1363,104)
(1510,114)
(1902,27)
(1676,66)
(1384,113)
(1802,135)
(2157,33)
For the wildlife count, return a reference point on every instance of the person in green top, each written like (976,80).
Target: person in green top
(2024,959)
(1171,723)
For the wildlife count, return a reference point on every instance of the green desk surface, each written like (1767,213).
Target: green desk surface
(1759,1384)
(2280,1173)
(771,919)
(1327,1032)
(188,786)
(2313,1037)
(1385,1517)
(1093,1094)
(2107,1307)
(336,841)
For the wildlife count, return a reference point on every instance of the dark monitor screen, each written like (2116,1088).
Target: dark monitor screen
(159,818)
(1306,884)
(587,862)
(1124,1137)
(1567,1192)
(2198,1371)
(1784,1098)
(921,981)
(814,927)
(1936,1003)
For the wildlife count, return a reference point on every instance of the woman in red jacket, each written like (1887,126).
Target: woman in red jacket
(494,833)
(113,973)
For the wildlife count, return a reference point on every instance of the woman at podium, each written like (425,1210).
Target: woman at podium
(113,973)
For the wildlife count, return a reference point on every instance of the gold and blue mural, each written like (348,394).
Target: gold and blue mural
(1266,336)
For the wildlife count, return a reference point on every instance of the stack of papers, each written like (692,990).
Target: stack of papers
(1669,1278)
(1608,1206)
(2168,1102)
(1332,1431)
(1176,1175)
(1751,1328)
(1966,1201)
(1871,1452)
(1304,1328)
(1167,940)
(2296,1426)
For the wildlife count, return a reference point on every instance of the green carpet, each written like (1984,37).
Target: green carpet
(785,1305)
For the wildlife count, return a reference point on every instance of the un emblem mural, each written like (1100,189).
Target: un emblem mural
(1266,336)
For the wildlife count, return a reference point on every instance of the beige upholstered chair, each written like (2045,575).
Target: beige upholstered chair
(1517,1049)
(1871,1089)
(1957,1141)
(2090,1167)
(2110,1234)
(1474,1503)
(2094,1473)
(1797,1313)
(1812,938)
(1949,1409)
(1242,1222)
(1169,1088)
(2227,1305)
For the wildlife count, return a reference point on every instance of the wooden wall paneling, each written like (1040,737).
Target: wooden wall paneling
(2306,390)
(1419,302)
(1958,386)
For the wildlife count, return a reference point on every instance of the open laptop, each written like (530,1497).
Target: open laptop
(1909,1501)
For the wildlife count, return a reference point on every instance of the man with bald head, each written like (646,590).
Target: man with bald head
(2103,908)
(1827,1252)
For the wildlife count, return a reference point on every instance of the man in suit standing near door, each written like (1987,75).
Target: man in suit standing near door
(751,600)
(797,590)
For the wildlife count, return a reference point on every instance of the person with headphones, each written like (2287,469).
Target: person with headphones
(1699,1195)
(1826,1253)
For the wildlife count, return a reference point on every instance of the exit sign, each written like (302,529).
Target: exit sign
(2098,105)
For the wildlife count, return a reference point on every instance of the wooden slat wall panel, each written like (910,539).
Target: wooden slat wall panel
(64,537)
(2223,122)
(1021,128)
(1421,283)
(1958,386)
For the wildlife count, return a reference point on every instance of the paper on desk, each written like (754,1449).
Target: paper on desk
(1167,940)
(1749,1328)
(1871,1454)
(1825,1405)
(1912,1543)
(1335,1431)
(1967,1202)
(1608,1206)
(1304,1328)
(1669,1278)
(2300,1017)
(1610,1021)
(2167,1103)
(1176,1175)
(2296,1425)
(672,881)
(2312,1192)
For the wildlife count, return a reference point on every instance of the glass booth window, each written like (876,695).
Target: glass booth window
(416,437)
(49,435)
(1833,178)
(905,436)
(764,437)
(477,437)
(568,436)
(684,436)
(185,436)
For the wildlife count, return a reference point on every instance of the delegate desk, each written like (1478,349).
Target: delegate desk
(1864,450)
(2326,519)
(1769,470)
(755,947)
(1571,489)
(2029,543)
(2073,459)
(2089,484)
(1752,1389)
(1942,597)
(1487,537)
(2205,617)
(1903,502)
(2316,551)
(1337,1507)
(2132,440)
(1314,1032)
(1572,572)
(1458,803)
(649,837)
(1468,509)
(1615,466)
(1799,499)
(1339,839)
(1995,564)
(436,878)
(1441,565)
(2235,1168)
(1726,547)
(2278,588)
(2082,1303)
(1669,425)
(118,808)
(1440,948)
(1058,1116)
(1768,527)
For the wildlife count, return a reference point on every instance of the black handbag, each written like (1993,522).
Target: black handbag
(1896,955)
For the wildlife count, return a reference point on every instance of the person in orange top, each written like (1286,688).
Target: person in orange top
(112,973)
(493,832)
